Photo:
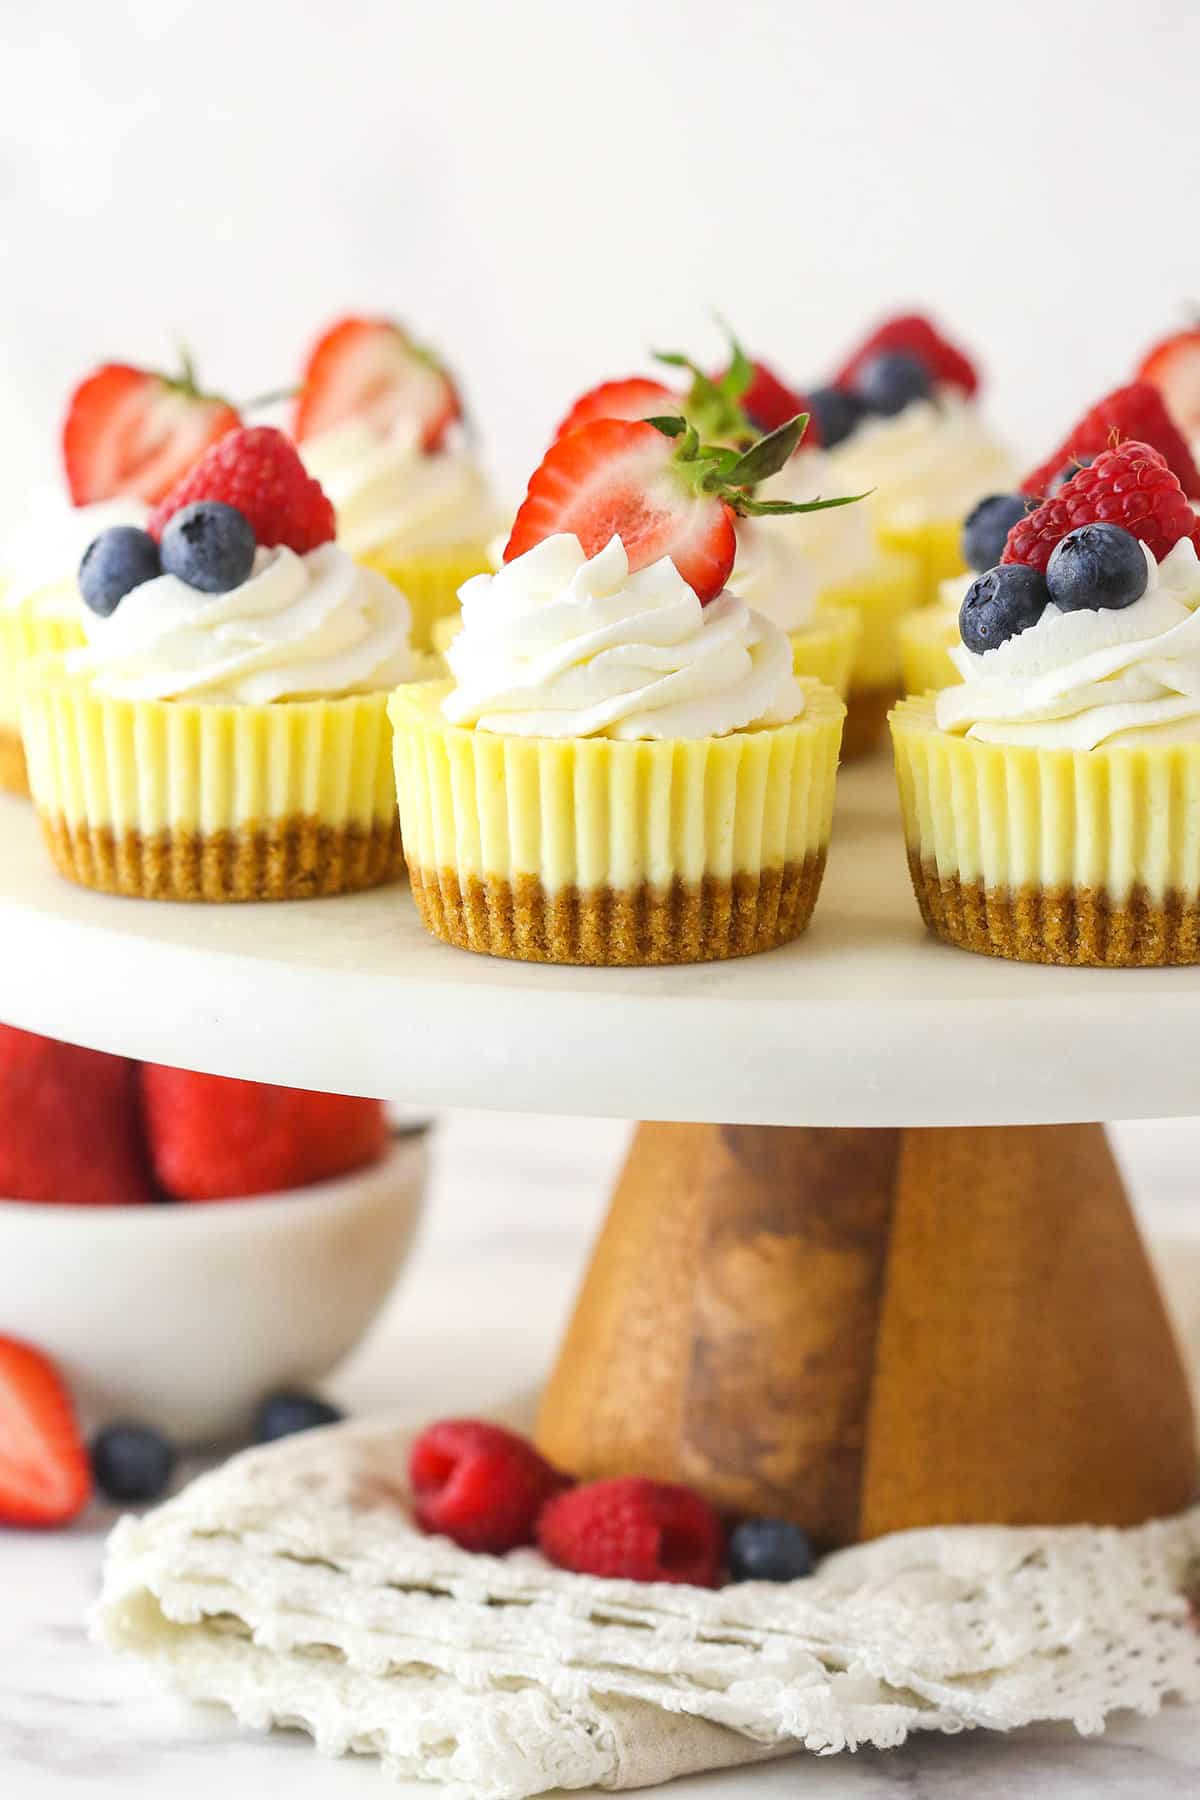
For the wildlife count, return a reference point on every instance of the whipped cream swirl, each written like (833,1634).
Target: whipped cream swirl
(39,560)
(785,563)
(392,499)
(1076,680)
(299,627)
(934,460)
(559,645)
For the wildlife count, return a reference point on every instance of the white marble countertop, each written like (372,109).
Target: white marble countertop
(513,1205)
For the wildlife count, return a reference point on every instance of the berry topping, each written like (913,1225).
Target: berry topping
(1130,486)
(986,528)
(1097,568)
(1137,411)
(481,1486)
(887,383)
(210,545)
(370,370)
(132,1463)
(283,1415)
(1000,604)
(835,411)
(637,397)
(657,489)
(212,1138)
(258,472)
(114,563)
(634,1530)
(769,1550)
(1174,367)
(769,403)
(69,1125)
(945,364)
(44,1474)
(130,431)
(1066,473)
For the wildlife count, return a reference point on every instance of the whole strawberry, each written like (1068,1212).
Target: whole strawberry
(1137,411)
(634,1530)
(1130,486)
(480,1485)
(213,1138)
(69,1124)
(258,471)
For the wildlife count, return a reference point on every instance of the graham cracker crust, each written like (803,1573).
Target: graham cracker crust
(1070,927)
(867,711)
(294,859)
(14,777)
(630,927)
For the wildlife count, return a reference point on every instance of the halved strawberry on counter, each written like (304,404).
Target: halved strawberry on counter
(70,1126)
(213,1138)
(1173,365)
(131,431)
(658,489)
(45,1478)
(371,370)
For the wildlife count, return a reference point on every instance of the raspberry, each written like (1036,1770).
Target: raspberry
(1136,411)
(634,1530)
(258,471)
(480,1485)
(1131,486)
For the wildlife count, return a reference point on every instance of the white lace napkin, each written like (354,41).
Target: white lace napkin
(292,1586)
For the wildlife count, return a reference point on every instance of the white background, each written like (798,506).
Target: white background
(544,187)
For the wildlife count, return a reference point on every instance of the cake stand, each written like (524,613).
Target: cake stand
(876,1269)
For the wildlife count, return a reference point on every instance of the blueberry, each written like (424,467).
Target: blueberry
(282,1415)
(889,382)
(986,528)
(836,410)
(769,1550)
(1001,603)
(1097,568)
(209,545)
(132,1463)
(114,563)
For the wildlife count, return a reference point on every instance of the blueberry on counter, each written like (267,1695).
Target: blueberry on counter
(116,562)
(986,528)
(1001,603)
(282,1415)
(889,382)
(769,1550)
(132,1463)
(209,545)
(1097,568)
(836,411)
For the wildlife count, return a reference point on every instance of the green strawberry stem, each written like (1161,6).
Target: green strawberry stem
(730,475)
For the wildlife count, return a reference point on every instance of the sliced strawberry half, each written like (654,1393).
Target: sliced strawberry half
(919,337)
(44,1474)
(370,370)
(1173,365)
(1138,411)
(131,431)
(657,489)
(633,397)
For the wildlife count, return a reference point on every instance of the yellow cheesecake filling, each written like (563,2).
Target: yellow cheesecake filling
(431,582)
(926,639)
(825,650)
(1117,821)
(879,598)
(152,765)
(592,813)
(26,631)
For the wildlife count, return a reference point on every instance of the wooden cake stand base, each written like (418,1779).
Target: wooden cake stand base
(866,1331)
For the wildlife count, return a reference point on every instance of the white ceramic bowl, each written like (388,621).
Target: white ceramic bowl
(185,1316)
